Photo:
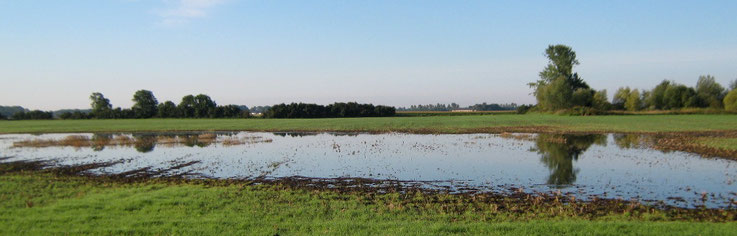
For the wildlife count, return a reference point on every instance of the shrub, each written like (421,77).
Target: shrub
(730,101)
(523,109)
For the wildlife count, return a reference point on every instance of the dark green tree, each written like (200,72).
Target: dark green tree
(74,115)
(33,115)
(167,110)
(583,97)
(144,104)
(186,107)
(679,96)
(710,92)
(655,99)
(231,111)
(204,107)
(101,107)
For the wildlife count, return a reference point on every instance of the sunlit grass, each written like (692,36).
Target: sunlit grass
(43,204)
(432,124)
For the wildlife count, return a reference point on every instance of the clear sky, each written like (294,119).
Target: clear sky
(53,54)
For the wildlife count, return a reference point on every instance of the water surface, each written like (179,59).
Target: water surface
(605,166)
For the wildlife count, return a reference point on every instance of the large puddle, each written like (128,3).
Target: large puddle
(585,166)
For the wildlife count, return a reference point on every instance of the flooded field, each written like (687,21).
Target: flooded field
(614,166)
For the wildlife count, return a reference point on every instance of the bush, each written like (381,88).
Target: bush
(523,109)
(730,101)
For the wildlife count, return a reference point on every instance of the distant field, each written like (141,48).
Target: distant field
(430,124)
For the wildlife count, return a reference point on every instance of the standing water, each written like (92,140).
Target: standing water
(585,166)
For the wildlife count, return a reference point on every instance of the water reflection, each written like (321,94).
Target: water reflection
(294,134)
(607,166)
(99,141)
(141,142)
(558,151)
(144,143)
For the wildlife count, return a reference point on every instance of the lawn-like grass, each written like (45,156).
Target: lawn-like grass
(431,124)
(43,204)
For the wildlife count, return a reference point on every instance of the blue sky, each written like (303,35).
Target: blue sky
(53,54)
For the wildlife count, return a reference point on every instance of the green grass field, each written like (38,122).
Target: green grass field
(42,204)
(430,124)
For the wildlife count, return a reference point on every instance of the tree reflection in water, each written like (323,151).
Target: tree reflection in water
(627,141)
(145,143)
(99,141)
(558,151)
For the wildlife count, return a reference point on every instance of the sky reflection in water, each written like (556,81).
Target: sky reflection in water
(609,166)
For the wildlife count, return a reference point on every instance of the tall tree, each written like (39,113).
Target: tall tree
(101,107)
(599,101)
(680,96)
(561,60)
(558,81)
(633,102)
(144,104)
(204,106)
(710,91)
(655,99)
(168,110)
(186,107)
(620,97)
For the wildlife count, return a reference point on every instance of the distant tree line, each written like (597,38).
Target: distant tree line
(32,115)
(8,111)
(671,95)
(454,106)
(493,107)
(199,106)
(431,107)
(559,88)
(20,113)
(335,110)
(260,109)
(146,106)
